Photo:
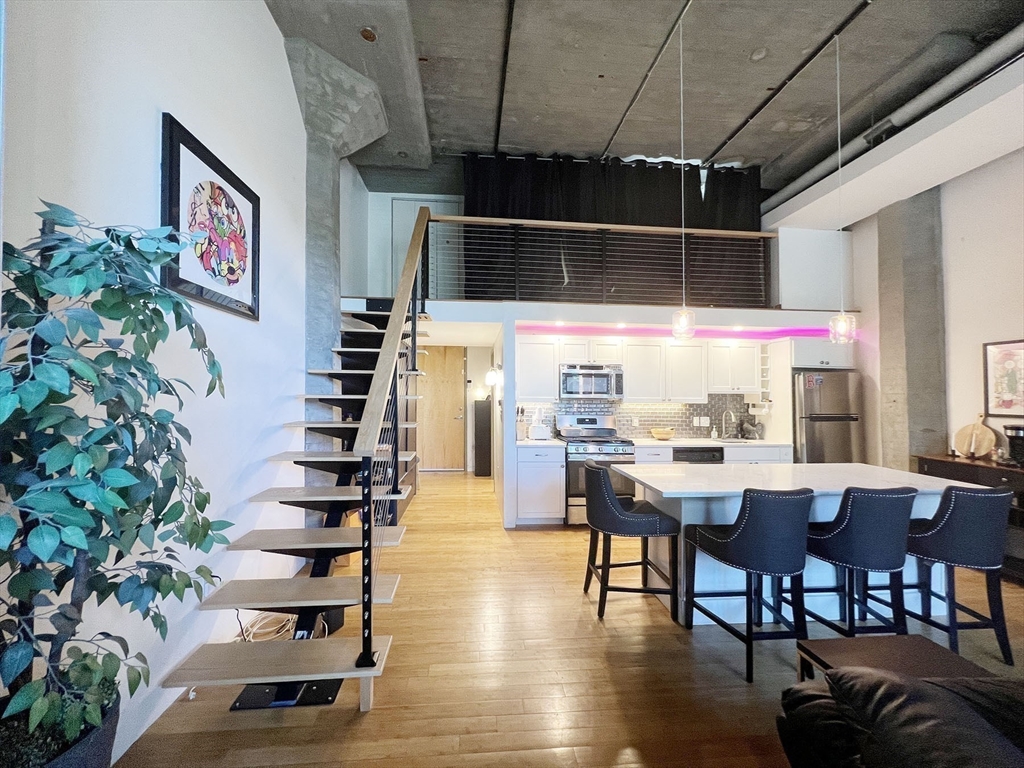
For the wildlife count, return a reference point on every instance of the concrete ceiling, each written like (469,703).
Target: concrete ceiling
(574,66)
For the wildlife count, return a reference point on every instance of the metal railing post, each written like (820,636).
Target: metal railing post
(413,317)
(367,658)
(604,266)
(515,256)
(395,474)
(422,288)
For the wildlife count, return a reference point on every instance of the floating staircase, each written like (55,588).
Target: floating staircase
(375,476)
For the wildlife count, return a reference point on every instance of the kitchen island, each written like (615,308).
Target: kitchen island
(711,494)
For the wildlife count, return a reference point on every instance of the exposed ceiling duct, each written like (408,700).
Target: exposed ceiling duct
(998,53)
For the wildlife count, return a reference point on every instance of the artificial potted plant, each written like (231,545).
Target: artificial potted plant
(94,492)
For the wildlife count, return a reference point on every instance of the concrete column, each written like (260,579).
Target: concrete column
(343,112)
(912,330)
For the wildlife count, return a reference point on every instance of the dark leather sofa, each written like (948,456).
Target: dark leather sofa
(872,718)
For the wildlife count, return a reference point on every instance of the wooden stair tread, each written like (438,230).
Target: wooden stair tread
(341,424)
(326,493)
(330,456)
(341,396)
(271,594)
(355,372)
(276,662)
(286,539)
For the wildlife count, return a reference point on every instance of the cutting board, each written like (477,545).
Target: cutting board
(975,439)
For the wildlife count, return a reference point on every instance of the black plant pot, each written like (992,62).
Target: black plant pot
(96,748)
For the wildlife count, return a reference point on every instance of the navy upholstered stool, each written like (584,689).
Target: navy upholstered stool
(968,531)
(869,534)
(611,515)
(769,538)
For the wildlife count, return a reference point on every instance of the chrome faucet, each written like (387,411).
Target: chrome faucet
(733,415)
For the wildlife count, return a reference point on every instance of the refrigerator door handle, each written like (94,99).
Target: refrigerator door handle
(832,417)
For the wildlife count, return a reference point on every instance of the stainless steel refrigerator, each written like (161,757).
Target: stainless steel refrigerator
(828,427)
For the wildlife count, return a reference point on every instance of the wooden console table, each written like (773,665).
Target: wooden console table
(984,472)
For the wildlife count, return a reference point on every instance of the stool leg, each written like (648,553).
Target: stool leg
(591,559)
(673,564)
(605,571)
(924,579)
(841,591)
(954,641)
(850,593)
(691,568)
(758,606)
(748,639)
(899,614)
(796,590)
(776,596)
(995,610)
(643,560)
(862,595)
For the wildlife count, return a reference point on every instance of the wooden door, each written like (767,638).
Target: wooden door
(441,434)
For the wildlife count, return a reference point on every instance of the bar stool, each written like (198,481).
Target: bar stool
(868,534)
(620,516)
(769,538)
(968,531)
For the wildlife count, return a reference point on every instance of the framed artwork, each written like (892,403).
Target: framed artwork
(200,193)
(1004,378)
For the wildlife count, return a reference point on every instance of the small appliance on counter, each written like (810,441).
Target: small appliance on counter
(1015,437)
(540,432)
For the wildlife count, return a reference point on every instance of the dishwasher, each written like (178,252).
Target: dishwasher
(695,455)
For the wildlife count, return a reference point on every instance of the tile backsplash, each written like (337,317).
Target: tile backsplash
(676,415)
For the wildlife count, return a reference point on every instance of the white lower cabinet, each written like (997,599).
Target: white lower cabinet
(652,454)
(540,484)
(758,454)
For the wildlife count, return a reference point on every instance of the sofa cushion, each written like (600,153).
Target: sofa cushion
(816,732)
(911,722)
(997,699)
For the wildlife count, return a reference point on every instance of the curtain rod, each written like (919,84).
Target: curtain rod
(577,160)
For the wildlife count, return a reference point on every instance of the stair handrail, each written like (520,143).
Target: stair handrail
(383,373)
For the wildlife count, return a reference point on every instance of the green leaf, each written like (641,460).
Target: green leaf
(174,512)
(99,457)
(59,457)
(26,696)
(74,536)
(23,584)
(54,377)
(43,541)
(32,393)
(113,499)
(111,666)
(82,464)
(118,478)
(163,416)
(59,215)
(8,405)
(147,534)
(93,714)
(84,370)
(15,660)
(134,678)
(220,525)
(147,245)
(73,720)
(36,712)
(52,330)
(8,530)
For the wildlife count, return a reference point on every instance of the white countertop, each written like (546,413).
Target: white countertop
(547,443)
(702,442)
(709,480)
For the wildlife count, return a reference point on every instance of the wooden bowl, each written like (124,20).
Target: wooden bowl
(663,433)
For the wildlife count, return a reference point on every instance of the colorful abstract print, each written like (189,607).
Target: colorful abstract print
(223,253)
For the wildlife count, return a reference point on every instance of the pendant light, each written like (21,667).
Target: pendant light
(684,322)
(842,328)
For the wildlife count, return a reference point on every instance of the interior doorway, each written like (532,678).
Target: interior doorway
(441,434)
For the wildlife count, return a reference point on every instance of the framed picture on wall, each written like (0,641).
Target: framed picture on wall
(1004,378)
(201,194)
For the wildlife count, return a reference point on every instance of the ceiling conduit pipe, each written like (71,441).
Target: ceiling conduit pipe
(1011,44)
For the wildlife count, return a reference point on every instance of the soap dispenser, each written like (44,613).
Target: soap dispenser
(714,433)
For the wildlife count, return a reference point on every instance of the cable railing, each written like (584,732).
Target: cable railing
(380,431)
(483,259)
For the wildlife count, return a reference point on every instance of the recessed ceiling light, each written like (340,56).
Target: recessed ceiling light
(737,327)
(368,34)
(620,325)
(559,322)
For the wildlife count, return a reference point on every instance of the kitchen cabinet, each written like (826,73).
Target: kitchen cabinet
(686,366)
(540,483)
(590,350)
(643,371)
(821,353)
(537,369)
(751,453)
(734,366)
(652,454)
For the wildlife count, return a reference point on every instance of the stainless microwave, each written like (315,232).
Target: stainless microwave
(581,381)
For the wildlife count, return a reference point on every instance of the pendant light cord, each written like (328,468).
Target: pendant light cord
(839,224)
(682,165)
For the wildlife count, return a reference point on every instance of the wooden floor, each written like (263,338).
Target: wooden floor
(498,659)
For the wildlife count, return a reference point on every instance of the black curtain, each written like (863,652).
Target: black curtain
(732,199)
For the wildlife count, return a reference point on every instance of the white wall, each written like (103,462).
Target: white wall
(354,207)
(866,351)
(85,85)
(983,276)
(808,268)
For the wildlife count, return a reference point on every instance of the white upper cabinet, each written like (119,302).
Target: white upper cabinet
(687,368)
(537,369)
(576,349)
(821,353)
(734,366)
(644,371)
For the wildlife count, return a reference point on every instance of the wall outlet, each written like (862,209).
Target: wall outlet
(705,421)
(636,421)
(696,421)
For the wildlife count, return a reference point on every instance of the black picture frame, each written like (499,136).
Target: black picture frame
(175,137)
(991,352)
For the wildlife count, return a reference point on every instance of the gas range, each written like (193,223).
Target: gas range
(597,445)
(592,436)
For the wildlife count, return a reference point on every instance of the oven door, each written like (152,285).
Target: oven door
(576,484)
